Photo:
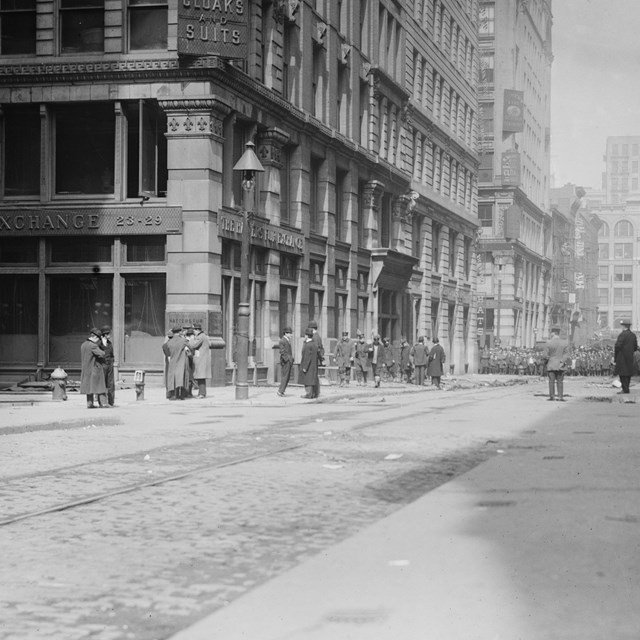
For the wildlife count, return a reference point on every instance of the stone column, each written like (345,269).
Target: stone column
(373,191)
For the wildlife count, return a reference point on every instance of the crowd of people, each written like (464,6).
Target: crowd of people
(581,361)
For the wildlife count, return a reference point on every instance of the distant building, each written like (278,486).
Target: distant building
(622,173)
(514,266)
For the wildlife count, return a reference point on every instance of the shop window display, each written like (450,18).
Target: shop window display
(144,305)
(18,318)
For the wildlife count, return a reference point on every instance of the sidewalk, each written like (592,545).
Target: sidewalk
(23,411)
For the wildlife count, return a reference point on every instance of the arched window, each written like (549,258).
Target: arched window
(603,231)
(623,229)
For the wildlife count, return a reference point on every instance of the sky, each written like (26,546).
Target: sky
(595,84)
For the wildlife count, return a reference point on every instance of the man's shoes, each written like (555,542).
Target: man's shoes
(279,393)
(550,399)
(561,400)
(306,397)
(91,406)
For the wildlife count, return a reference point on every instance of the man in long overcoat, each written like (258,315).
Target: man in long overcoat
(92,382)
(404,374)
(435,368)
(107,364)
(309,365)
(345,354)
(361,359)
(286,359)
(176,350)
(626,346)
(201,349)
(557,356)
(419,358)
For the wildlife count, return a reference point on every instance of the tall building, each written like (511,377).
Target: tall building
(121,125)
(622,168)
(514,176)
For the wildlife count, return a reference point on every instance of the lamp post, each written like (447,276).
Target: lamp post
(249,165)
(499,314)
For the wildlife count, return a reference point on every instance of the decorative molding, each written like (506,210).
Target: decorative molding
(319,33)
(373,191)
(345,53)
(195,116)
(365,70)
(270,143)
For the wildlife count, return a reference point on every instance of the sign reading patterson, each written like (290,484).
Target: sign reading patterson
(213,28)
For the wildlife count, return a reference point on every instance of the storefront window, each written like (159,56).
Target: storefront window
(18,251)
(76,304)
(146,249)
(76,249)
(287,305)
(85,148)
(21,150)
(144,306)
(18,318)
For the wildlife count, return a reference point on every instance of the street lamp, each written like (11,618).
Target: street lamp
(249,165)
(499,264)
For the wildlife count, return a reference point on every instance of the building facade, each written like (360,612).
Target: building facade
(515,250)
(122,122)
(622,168)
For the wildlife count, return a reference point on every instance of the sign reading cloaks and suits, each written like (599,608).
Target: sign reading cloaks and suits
(213,28)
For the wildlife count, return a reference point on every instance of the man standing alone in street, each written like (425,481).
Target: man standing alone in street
(626,345)
(435,369)
(286,359)
(557,354)
(107,364)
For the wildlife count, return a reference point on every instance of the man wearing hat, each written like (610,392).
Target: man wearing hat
(286,359)
(178,368)
(626,345)
(557,357)
(91,373)
(201,350)
(345,354)
(315,336)
(309,365)
(107,364)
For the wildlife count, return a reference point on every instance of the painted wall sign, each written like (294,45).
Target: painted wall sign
(99,222)
(513,113)
(262,233)
(213,28)
(511,168)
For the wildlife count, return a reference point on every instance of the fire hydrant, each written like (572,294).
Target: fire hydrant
(138,380)
(59,384)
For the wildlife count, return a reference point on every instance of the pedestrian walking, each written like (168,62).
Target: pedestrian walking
(376,357)
(107,364)
(313,325)
(558,358)
(435,368)
(361,360)
(623,354)
(420,359)
(485,357)
(176,350)
(345,355)
(390,367)
(92,382)
(286,359)
(200,347)
(309,365)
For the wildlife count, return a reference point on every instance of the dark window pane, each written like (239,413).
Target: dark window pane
(77,249)
(19,250)
(82,25)
(18,318)
(146,249)
(17,27)
(22,151)
(85,148)
(148,28)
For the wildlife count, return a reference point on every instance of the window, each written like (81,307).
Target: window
(81,26)
(314,194)
(603,231)
(416,235)
(341,177)
(487,63)
(385,221)
(18,251)
(316,272)
(623,229)
(486,118)
(436,234)
(340,315)
(286,306)
(623,250)
(622,296)
(341,277)
(147,24)
(92,250)
(453,252)
(468,256)
(614,149)
(21,150)
(603,297)
(146,149)
(487,24)
(285,214)
(85,148)
(603,274)
(603,251)
(18,318)
(17,27)
(288,268)
(622,273)
(485,214)
(146,249)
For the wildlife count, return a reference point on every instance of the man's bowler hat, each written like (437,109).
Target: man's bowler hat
(626,322)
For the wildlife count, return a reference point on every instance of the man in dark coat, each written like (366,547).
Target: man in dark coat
(404,373)
(176,350)
(361,360)
(309,365)
(201,349)
(313,325)
(286,359)
(419,358)
(376,358)
(107,364)
(557,357)
(345,354)
(91,373)
(626,346)
(435,368)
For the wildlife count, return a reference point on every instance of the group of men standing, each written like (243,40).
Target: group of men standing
(96,369)
(187,350)
(361,359)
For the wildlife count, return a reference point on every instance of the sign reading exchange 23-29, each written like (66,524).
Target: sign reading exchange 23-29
(213,28)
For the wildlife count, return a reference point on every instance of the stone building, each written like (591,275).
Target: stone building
(514,176)
(122,122)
